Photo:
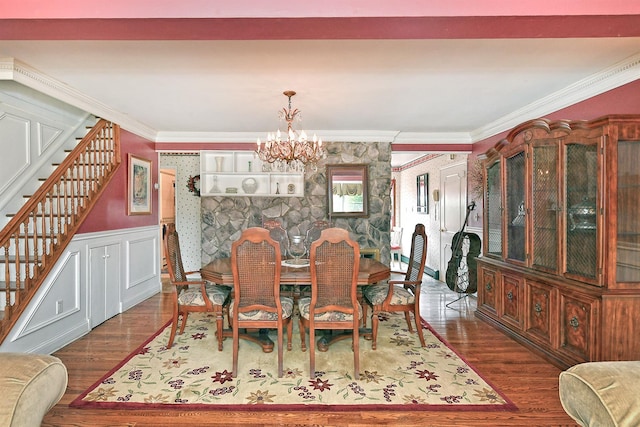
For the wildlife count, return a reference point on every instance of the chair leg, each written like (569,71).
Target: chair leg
(185,314)
(303,344)
(280,345)
(236,343)
(356,350)
(364,315)
(407,317)
(289,333)
(374,328)
(174,327)
(312,352)
(219,327)
(419,328)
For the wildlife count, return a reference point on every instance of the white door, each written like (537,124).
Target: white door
(453,203)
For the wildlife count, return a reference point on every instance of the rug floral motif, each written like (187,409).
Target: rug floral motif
(193,374)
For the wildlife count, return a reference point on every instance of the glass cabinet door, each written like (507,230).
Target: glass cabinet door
(581,198)
(544,205)
(494,210)
(515,207)
(628,233)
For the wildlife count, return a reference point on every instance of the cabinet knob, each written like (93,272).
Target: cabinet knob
(538,308)
(488,286)
(574,322)
(510,295)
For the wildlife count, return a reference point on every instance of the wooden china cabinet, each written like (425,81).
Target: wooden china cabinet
(560,270)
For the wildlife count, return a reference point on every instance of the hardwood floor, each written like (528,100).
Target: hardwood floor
(526,378)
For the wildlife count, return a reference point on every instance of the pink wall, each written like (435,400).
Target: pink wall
(110,212)
(327,8)
(622,100)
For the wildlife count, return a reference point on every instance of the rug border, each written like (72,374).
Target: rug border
(81,404)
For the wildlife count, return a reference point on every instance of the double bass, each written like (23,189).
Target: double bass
(459,278)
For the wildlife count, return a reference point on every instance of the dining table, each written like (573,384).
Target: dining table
(371,271)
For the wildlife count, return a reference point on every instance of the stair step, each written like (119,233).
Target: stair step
(89,178)
(40,236)
(86,151)
(76,164)
(62,196)
(12,286)
(42,215)
(12,260)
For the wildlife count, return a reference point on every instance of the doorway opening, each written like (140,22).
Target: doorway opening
(167,206)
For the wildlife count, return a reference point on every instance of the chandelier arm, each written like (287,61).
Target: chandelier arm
(294,151)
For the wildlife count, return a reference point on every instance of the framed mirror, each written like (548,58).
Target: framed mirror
(347,190)
(422,193)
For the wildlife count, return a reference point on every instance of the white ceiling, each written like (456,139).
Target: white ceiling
(433,91)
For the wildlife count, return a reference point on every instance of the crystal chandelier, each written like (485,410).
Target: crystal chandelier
(295,151)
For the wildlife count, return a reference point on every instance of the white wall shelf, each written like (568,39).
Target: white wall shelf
(241,174)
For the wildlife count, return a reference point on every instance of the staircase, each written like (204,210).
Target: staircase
(36,236)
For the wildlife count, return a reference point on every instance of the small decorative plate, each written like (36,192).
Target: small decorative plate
(301,263)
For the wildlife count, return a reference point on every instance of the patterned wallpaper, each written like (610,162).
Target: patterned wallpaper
(187,206)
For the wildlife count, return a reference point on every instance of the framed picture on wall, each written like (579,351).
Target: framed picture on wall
(139,186)
(422,196)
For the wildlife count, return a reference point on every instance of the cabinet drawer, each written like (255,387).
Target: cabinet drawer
(487,290)
(541,312)
(578,323)
(511,308)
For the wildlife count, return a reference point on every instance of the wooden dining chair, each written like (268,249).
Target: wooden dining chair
(313,233)
(279,234)
(335,261)
(255,265)
(190,295)
(401,295)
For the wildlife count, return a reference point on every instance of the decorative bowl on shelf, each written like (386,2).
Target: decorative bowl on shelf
(249,185)
(582,216)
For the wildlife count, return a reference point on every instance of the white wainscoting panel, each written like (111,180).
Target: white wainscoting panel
(61,311)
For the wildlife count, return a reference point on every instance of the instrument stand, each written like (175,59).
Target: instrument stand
(463,295)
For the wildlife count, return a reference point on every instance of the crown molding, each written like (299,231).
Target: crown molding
(13,69)
(625,71)
(612,77)
(433,138)
(251,137)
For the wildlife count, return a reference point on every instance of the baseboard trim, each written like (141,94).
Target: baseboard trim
(428,271)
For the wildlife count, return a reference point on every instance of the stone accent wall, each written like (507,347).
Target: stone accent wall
(224,218)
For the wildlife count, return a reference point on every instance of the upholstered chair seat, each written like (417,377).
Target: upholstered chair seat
(327,316)
(192,295)
(287,311)
(376,294)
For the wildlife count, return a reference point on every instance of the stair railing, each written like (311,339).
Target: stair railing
(34,239)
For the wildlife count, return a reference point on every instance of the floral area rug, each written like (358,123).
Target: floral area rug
(194,375)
